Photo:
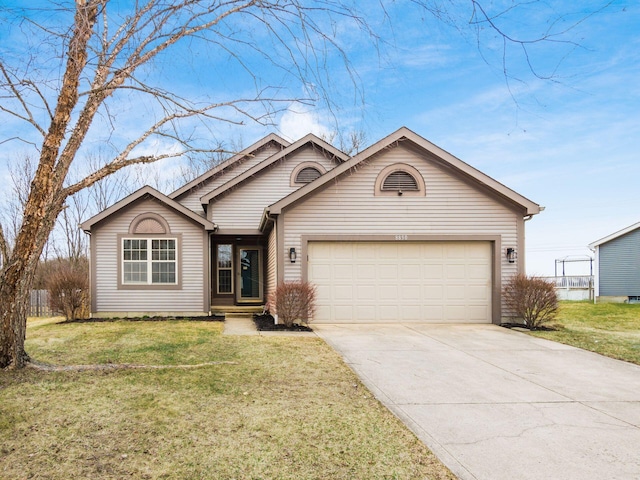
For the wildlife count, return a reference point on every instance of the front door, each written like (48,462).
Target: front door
(249,275)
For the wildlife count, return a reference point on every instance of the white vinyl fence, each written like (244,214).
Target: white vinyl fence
(573,287)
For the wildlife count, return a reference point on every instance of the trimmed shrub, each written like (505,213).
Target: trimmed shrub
(532,299)
(68,286)
(293,301)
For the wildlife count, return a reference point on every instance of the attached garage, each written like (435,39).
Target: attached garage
(402,281)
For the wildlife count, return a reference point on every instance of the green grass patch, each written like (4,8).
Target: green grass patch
(611,329)
(287,408)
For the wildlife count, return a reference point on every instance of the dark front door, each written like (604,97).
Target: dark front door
(249,274)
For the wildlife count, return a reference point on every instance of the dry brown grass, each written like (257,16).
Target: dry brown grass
(285,408)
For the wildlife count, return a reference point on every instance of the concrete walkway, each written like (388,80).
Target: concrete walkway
(497,404)
(242,324)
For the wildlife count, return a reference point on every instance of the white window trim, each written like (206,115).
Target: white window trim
(149,262)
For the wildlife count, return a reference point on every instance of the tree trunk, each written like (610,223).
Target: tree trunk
(14,302)
(17,278)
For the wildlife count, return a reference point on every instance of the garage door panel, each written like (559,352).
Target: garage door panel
(365,251)
(455,272)
(389,311)
(388,293)
(366,271)
(320,272)
(433,313)
(344,272)
(342,311)
(344,293)
(365,312)
(432,252)
(433,292)
(477,313)
(433,271)
(477,271)
(402,281)
(387,272)
(456,313)
(478,293)
(411,271)
(410,293)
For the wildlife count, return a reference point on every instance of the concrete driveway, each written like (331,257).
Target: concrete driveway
(495,404)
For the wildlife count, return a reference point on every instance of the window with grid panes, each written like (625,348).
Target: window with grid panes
(149,261)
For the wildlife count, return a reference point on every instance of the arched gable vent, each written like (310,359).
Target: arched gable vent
(400,180)
(307,175)
(305,172)
(149,223)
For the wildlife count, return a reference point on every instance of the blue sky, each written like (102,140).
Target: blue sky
(569,142)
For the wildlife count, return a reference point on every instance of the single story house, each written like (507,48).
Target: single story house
(401,232)
(617,266)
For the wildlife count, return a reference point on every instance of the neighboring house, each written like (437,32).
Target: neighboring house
(617,266)
(403,231)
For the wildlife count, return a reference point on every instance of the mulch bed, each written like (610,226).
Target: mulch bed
(541,328)
(266,323)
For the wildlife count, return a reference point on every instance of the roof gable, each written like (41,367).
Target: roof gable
(442,157)
(229,163)
(615,235)
(143,192)
(305,141)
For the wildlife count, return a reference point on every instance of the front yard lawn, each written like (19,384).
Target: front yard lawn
(611,329)
(272,408)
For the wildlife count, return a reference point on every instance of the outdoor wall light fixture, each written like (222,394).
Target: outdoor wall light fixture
(511,255)
(293,255)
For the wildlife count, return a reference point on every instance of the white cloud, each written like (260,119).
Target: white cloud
(296,123)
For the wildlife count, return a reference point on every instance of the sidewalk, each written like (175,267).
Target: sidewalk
(242,324)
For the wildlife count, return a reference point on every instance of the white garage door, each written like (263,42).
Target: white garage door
(401,281)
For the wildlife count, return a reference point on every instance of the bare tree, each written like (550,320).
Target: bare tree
(106,191)
(104,49)
(349,142)
(20,174)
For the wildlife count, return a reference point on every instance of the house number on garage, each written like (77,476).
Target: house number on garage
(402,237)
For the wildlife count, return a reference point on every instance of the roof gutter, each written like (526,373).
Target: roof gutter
(266,217)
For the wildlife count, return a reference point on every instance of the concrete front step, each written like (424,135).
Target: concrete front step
(236,309)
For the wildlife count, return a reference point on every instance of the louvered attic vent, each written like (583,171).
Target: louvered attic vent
(400,181)
(307,175)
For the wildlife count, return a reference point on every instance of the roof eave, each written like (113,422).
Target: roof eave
(307,139)
(614,235)
(147,190)
(530,208)
(272,137)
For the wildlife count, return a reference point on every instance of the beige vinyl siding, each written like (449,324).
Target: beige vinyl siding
(272,263)
(192,268)
(242,208)
(191,200)
(450,207)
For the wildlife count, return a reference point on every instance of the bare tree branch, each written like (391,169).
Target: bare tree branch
(27,116)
